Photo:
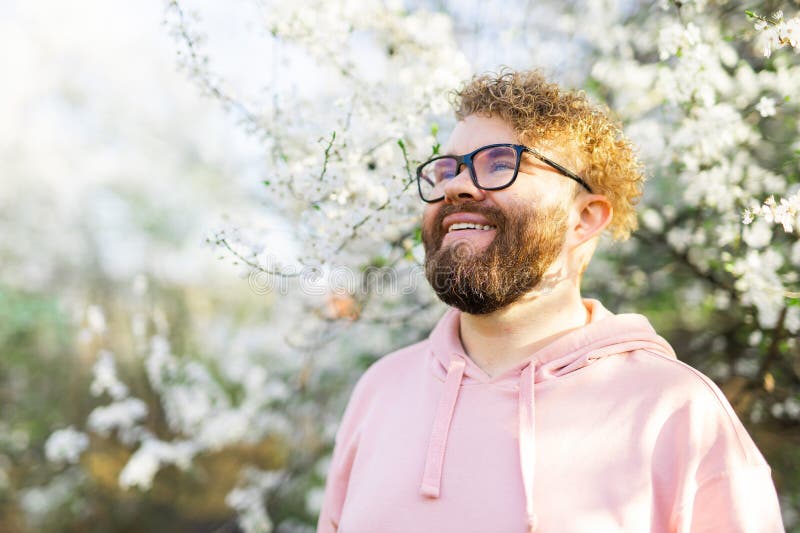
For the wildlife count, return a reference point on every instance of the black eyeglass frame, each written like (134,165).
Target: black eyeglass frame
(466,159)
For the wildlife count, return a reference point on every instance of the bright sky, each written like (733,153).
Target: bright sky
(99,129)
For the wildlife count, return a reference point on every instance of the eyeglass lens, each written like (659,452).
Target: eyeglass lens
(494,167)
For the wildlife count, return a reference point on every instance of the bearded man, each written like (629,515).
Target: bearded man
(529,408)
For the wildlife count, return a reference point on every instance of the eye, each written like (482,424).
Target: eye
(495,160)
(444,170)
(501,165)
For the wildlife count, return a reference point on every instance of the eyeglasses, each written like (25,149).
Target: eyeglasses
(492,167)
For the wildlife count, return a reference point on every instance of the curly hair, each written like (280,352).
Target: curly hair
(541,112)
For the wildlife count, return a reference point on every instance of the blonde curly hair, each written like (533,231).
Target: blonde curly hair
(541,112)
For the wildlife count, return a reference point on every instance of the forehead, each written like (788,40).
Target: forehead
(476,131)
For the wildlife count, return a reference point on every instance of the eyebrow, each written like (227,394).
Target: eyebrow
(496,149)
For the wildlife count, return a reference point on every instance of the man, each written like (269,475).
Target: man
(529,408)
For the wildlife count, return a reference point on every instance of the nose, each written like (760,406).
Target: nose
(461,188)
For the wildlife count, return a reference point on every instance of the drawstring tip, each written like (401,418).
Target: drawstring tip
(431,491)
(533,523)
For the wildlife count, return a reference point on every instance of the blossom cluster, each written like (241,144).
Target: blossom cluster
(342,155)
(713,105)
(785,212)
(776,31)
(201,415)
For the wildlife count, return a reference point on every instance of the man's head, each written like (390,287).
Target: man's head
(485,249)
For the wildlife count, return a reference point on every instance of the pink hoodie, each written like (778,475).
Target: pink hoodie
(601,430)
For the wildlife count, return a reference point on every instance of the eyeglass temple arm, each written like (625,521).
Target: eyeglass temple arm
(558,167)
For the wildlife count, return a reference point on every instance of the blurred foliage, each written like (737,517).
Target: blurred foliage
(44,383)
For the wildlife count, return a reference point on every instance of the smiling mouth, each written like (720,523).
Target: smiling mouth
(467,225)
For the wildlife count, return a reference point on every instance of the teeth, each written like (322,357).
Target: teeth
(468,225)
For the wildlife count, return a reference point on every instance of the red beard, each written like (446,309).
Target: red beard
(526,243)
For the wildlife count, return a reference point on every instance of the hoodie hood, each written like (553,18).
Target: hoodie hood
(605,334)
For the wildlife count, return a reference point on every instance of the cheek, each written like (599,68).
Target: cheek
(542,193)
(429,215)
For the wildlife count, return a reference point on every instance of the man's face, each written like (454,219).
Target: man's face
(520,234)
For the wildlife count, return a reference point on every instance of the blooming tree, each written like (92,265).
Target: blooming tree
(353,94)
(698,87)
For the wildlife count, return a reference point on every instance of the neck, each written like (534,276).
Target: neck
(498,341)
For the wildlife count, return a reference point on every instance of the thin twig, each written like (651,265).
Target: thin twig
(206,83)
(224,242)
(385,204)
(327,156)
(653,238)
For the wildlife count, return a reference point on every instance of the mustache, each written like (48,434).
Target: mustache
(433,234)
(494,215)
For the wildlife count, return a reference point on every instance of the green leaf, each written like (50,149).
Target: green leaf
(378,262)
(266,182)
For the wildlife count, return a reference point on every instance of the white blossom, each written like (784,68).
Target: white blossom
(791,407)
(785,212)
(792,320)
(148,459)
(652,220)
(96,319)
(314,500)
(673,38)
(766,107)
(122,415)
(760,284)
(105,377)
(38,501)
(66,445)
(722,299)
(248,500)
(746,367)
(757,235)
(794,255)
(779,32)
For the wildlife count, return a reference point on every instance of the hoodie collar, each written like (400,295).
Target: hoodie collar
(605,334)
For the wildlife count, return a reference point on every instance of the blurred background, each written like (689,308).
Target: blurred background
(175,352)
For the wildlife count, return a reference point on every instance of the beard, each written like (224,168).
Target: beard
(526,243)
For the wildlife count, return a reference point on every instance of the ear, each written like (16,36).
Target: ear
(594,213)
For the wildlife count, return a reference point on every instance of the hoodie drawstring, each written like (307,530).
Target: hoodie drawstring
(432,477)
(527,441)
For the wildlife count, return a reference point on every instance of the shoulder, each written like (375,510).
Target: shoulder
(702,455)
(673,378)
(691,406)
(394,368)
(392,371)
